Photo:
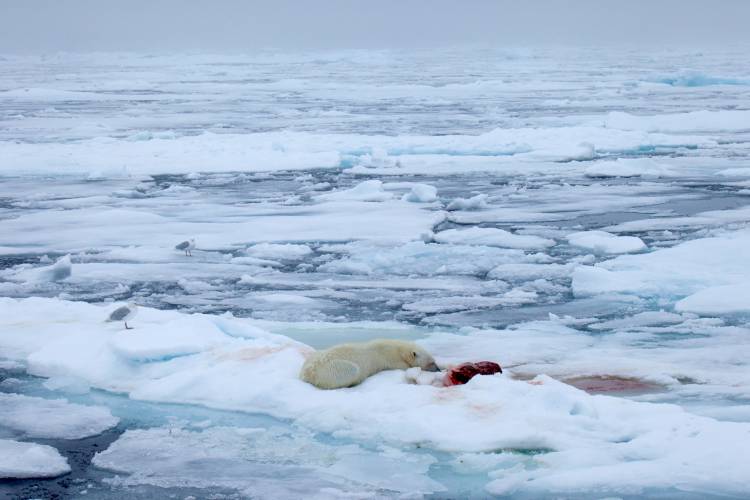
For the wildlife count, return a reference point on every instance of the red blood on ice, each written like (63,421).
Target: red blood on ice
(463,373)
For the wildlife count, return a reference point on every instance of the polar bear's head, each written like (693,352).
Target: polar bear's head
(416,356)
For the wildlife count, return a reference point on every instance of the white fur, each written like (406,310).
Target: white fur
(346,365)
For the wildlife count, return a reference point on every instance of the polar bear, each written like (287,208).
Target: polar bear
(346,365)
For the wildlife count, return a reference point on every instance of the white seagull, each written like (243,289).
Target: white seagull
(187,245)
(124,313)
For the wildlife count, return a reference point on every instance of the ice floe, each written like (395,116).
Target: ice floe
(263,462)
(32,417)
(604,242)
(492,237)
(28,460)
(697,266)
(241,367)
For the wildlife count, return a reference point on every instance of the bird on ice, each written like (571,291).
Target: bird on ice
(187,246)
(124,313)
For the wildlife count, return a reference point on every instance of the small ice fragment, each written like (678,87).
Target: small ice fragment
(421,193)
(606,243)
(24,460)
(474,203)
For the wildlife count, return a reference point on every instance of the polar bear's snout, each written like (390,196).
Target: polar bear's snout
(425,361)
(431,367)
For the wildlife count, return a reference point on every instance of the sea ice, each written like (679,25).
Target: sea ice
(474,203)
(263,462)
(32,417)
(673,273)
(606,243)
(717,300)
(492,237)
(364,191)
(27,460)
(421,193)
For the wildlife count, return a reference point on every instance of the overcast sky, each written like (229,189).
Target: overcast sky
(161,25)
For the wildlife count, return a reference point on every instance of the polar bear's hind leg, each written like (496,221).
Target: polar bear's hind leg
(337,373)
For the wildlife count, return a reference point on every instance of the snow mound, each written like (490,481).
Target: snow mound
(25,460)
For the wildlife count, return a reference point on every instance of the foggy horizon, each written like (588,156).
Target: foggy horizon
(41,26)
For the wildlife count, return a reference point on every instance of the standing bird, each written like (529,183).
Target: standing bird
(187,245)
(124,313)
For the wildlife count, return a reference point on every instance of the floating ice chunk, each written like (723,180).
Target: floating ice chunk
(33,417)
(594,280)
(735,172)
(672,273)
(519,296)
(710,218)
(724,120)
(346,267)
(10,365)
(371,190)
(278,251)
(492,237)
(58,271)
(584,151)
(529,271)
(47,94)
(646,318)
(702,455)
(606,243)
(725,299)
(25,460)
(696,79)
(70,385)
(422,258)
(262,463)
(453,304)
(477,202)
(421,193)
(628,167)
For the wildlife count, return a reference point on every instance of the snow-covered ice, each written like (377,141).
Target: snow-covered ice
(32,417)
(492,237)
(579,216)
(490,413)
(604,242)
(284,464)
(25,460)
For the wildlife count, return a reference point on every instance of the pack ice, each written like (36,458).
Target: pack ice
(232,364)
